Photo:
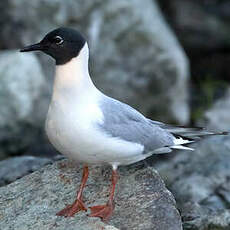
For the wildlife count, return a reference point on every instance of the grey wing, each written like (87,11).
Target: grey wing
(124,122)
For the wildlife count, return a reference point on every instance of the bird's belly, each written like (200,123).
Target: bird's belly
(84,142)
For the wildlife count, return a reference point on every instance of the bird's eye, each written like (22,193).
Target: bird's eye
(58,40)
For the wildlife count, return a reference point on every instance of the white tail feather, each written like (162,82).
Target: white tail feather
(181,141)
(181,147)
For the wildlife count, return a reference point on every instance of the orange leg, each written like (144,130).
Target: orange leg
(78,205)
(106,211)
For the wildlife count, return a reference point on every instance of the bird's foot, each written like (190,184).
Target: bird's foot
(103,211)
(71,210)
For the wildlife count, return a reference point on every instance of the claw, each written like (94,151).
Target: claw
(103,211)
(71,210)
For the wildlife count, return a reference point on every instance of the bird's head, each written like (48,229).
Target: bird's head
(62,44)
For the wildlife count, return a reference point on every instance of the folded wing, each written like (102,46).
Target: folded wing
(124,122)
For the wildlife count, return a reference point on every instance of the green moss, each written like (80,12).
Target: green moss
(208,89)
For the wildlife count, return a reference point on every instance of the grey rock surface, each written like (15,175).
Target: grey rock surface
(142,201)
(200,181)
(135,55)
(22,87)
(14,168)
(217,117)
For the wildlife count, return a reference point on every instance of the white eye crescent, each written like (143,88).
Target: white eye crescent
(58,40)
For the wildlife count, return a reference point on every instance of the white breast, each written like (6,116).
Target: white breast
(74,115)
(73,130)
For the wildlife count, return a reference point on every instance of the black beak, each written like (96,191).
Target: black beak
(34,47)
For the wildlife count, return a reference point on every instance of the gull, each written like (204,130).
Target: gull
(91,128)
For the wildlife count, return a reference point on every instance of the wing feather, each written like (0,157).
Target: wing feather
(122,121)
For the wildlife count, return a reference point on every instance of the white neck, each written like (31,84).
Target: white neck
(73,77)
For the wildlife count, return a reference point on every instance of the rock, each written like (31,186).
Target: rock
(159,76)
(142,201)
(217,117)
(202,27)
(200,21)
(135,55)
(14,168)
(201,185)
(22,110)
